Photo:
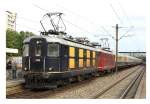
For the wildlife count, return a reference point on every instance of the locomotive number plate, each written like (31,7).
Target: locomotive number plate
(37,60)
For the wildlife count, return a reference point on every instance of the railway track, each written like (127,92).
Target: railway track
(141,91)
(13,87)
(130,90)
(29,94)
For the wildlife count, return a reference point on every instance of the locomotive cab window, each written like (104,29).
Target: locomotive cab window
(38,48)
(25,50)
(53,50)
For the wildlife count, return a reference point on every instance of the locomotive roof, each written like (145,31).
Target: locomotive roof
(65,42)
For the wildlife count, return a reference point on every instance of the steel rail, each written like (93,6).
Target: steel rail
(112,85)
(130,91)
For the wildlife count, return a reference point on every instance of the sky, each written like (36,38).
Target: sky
(87,18)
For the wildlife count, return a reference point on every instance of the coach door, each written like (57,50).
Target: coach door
(37,55)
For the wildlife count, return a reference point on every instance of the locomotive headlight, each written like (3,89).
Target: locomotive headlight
(25,69)
(37,42)
(50,69)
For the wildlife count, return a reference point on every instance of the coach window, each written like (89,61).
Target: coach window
(25,50)
(53,50)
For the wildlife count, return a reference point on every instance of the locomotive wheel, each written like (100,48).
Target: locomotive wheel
(59,82)
(79,78)
(97,74)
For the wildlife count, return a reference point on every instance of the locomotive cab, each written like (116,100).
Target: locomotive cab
(41,56)
(37,55)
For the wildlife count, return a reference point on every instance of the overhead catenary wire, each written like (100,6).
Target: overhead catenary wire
(40,8)
(29,20)
(107,32)
(121,20)
(76,14)
(118,17)
(124,12)
(124,35)
(80,28)
(28,27)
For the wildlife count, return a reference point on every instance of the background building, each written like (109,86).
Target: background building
(10,20)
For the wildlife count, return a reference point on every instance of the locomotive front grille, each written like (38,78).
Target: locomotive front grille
(34,81)
(36,67)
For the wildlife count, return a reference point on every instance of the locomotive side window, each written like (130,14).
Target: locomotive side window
(94,56)
(71,51)
(88,58)
(26,50)
(80,57)
(72,57)
(88,54)
(53,50)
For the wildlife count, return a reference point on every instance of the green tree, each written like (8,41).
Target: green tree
(15,40)
(11,38)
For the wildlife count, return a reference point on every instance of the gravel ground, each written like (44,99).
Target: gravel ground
(143,93)
(88,90)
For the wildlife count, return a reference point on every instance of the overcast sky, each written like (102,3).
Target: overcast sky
(90,18)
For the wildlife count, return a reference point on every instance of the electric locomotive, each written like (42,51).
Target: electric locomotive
(50,59)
